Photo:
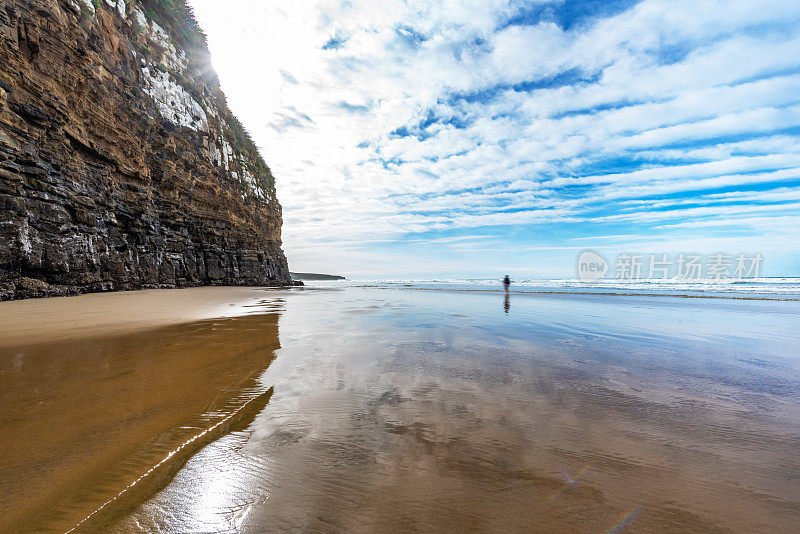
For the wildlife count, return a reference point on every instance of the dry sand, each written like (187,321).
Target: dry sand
(43,320)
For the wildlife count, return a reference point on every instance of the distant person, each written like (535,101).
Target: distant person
(506,282)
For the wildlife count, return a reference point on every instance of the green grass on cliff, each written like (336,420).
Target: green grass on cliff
(177,17)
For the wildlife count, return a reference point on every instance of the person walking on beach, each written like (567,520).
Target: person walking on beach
(506,302)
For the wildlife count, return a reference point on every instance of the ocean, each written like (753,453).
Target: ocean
(750,289)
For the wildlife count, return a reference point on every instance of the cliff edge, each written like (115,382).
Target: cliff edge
(121,166)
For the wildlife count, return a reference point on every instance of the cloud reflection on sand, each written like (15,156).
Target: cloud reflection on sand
(436,411)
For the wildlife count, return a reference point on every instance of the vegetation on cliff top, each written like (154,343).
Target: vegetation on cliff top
(177,17)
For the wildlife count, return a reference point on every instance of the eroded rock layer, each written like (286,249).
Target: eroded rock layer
(121,166)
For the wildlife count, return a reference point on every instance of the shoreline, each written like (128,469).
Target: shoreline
(102,314)
(590,293)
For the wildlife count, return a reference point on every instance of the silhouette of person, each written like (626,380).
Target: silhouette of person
(506,301)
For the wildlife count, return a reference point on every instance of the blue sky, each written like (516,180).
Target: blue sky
(477,137)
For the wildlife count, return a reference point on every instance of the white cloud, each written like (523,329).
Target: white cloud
(667,97)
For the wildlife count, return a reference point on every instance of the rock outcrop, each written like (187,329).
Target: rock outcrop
(121,166)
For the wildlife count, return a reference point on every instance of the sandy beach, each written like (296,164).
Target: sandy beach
(109,314)
(404,410)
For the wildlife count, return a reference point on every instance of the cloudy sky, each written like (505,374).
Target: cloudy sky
(475,137)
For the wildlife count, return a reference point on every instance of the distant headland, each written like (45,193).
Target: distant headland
(315,276)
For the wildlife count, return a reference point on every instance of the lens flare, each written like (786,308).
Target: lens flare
(572,481)
(624,520)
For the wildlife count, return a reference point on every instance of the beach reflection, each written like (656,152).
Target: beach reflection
(83,420)
(417,410)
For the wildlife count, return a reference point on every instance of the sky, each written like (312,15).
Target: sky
(471,138)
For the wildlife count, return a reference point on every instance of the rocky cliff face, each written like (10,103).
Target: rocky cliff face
(121,166)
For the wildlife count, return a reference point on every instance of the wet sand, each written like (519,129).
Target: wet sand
(83,418)
(428,411)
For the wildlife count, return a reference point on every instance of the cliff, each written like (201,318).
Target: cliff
(121,166)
